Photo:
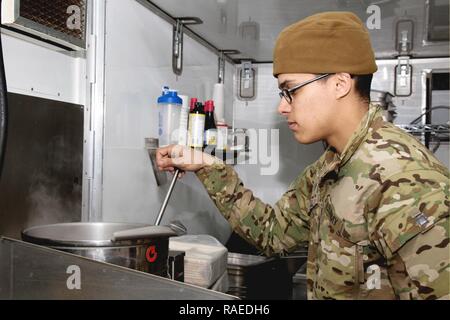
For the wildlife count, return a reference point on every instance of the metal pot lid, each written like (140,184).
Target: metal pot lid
(148,232)
(85,234)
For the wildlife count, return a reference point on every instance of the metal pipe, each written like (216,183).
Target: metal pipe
(166,199)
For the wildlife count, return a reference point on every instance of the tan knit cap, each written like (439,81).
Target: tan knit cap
(328,42)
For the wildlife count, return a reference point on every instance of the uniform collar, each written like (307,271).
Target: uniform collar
(331,160)
(360,133)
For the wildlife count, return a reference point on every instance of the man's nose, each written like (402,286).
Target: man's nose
(284,107)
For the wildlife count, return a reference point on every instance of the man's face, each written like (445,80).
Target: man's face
(310,114)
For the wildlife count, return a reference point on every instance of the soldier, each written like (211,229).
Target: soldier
(373,209)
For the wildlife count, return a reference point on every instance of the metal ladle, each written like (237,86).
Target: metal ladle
(166,199)
(176,225)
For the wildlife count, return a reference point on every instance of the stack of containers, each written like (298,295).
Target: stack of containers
(205,262)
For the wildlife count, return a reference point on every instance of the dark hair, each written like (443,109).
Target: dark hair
(363,85)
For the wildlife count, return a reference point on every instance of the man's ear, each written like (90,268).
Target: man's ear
(343,83)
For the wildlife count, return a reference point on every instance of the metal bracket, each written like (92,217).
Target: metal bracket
(221,72)
(152,144)
(403,77)
(177,42)
(404,36)
(247,81)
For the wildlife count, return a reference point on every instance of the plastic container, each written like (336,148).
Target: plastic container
(184,118)
(219,101)
(169,111)
(222,136)
(205,260)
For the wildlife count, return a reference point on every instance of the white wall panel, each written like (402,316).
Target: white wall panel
(35,70)
(138,64)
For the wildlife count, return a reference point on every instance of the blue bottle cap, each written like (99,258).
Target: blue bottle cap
(170,96)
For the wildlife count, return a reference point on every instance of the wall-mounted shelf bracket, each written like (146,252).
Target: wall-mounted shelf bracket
(177,43)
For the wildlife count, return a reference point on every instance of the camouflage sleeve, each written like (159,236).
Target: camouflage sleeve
(273,230)
(409,224)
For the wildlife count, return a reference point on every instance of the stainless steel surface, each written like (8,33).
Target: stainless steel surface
(178,227)
(299,284)
(30,271)
(42,177)
(167,198)
(176,265)
(246,260)
(118,243)
(222,21)
(148,232)
(178,43)
(80,234)
(258,277)
(151,144)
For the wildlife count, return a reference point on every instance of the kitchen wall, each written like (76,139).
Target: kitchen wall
(138,63)
(34,69)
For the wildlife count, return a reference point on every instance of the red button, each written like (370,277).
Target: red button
(151,254)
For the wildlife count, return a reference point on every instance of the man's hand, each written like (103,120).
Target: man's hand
(184,158)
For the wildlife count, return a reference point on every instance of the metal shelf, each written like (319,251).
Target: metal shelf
(425,128)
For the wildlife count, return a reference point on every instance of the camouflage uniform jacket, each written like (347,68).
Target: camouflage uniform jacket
(375,218)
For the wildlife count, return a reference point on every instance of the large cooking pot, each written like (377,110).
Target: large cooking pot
(145,250)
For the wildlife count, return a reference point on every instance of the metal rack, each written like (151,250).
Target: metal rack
(425,128)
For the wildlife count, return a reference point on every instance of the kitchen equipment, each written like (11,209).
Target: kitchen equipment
(178,227)
(205,260)
(33,272)
(152,144)
(176,265)
(166,199)
(144,249)
(299,284)
(258,277)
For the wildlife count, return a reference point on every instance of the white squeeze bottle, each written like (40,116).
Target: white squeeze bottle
(169,110)
(184,118)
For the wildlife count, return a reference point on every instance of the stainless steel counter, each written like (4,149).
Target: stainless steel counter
(30,271)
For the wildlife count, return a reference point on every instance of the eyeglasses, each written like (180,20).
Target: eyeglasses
(287,93)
